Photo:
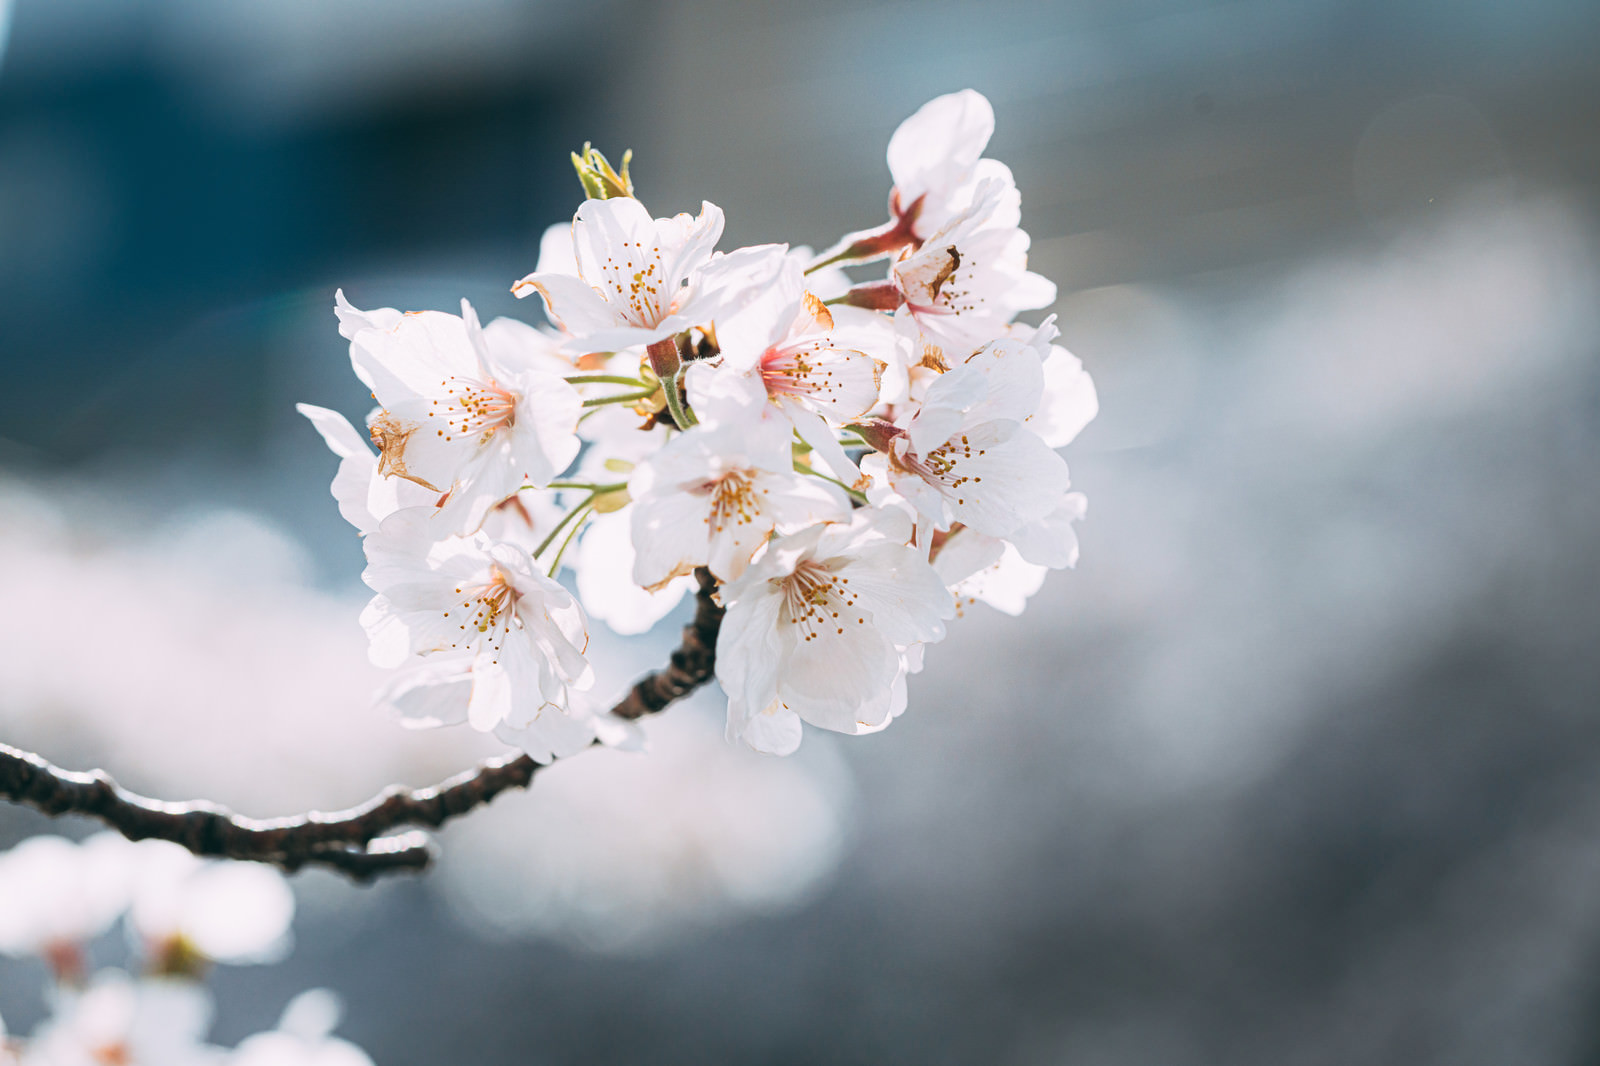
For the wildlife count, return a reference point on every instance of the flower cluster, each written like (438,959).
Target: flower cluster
(182,914)
(848,458)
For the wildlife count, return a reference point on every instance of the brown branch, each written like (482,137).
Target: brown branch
(362,841)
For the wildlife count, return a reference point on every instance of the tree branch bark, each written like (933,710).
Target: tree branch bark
(362,841)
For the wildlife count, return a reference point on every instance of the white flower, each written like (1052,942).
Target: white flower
(634,279)
(117,1021)
(814,365)
(458,415)
(965,455)
(511,638)
(713,495)
(234,912)
(302,1037)
(966,282)
(934,158)
(818,626)
(55,895)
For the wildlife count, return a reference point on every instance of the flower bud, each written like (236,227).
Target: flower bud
(600,180)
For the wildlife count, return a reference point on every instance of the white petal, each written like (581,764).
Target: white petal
(1011,477)
(774,730)
(1069,401)
(605,566)
(936,148)
(1052,541)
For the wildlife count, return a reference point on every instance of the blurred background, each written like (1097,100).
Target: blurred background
(1300,766)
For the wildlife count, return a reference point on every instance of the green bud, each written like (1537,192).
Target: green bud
(599,178)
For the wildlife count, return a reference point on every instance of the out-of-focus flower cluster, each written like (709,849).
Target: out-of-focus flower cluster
(182,914)
(850,459)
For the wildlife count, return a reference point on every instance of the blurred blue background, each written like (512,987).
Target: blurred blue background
(1300,766)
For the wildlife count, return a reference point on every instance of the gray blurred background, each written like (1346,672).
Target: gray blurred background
(1300,766)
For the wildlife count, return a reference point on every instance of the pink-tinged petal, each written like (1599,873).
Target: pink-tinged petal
(922,274)
(837,382)
(1008,205)
(616,338)
(766,320)
(1005,585)
(390,640)
(552,736)
(943,408)
(605,233)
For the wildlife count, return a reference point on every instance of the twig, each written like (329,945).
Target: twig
(362,841)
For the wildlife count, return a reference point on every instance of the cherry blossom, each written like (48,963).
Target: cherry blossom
(970,278)
(56,896)
(232,912)
(458,416)
(688,408)
(711,497)
(966,455)
(633,279)
(817,628)
(151,1022)
(303,1037)
(818,367)
(512,639)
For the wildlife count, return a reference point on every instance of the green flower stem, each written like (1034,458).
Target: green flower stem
(859,497)
(583,508)
(570,515)
(667,363)
(614,486)
(624,397)
(606,379)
